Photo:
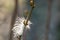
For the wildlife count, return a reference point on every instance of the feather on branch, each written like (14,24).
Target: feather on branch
(19,26)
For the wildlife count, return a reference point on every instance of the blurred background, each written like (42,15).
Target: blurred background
(45,18)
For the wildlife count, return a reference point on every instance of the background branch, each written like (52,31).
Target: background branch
(48,19)
(13,19)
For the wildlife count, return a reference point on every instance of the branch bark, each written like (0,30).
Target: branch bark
(13,19)
(48,19)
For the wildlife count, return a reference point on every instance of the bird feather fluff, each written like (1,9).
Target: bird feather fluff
(19,26)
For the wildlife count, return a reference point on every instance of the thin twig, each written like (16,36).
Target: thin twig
(28,18)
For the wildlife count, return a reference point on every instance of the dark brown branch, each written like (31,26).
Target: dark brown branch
(48,19)
(13,20)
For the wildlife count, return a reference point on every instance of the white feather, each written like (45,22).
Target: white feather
(19,26)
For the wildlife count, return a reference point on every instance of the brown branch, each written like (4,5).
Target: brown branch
(28,18)
(48,19)
(13,20)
